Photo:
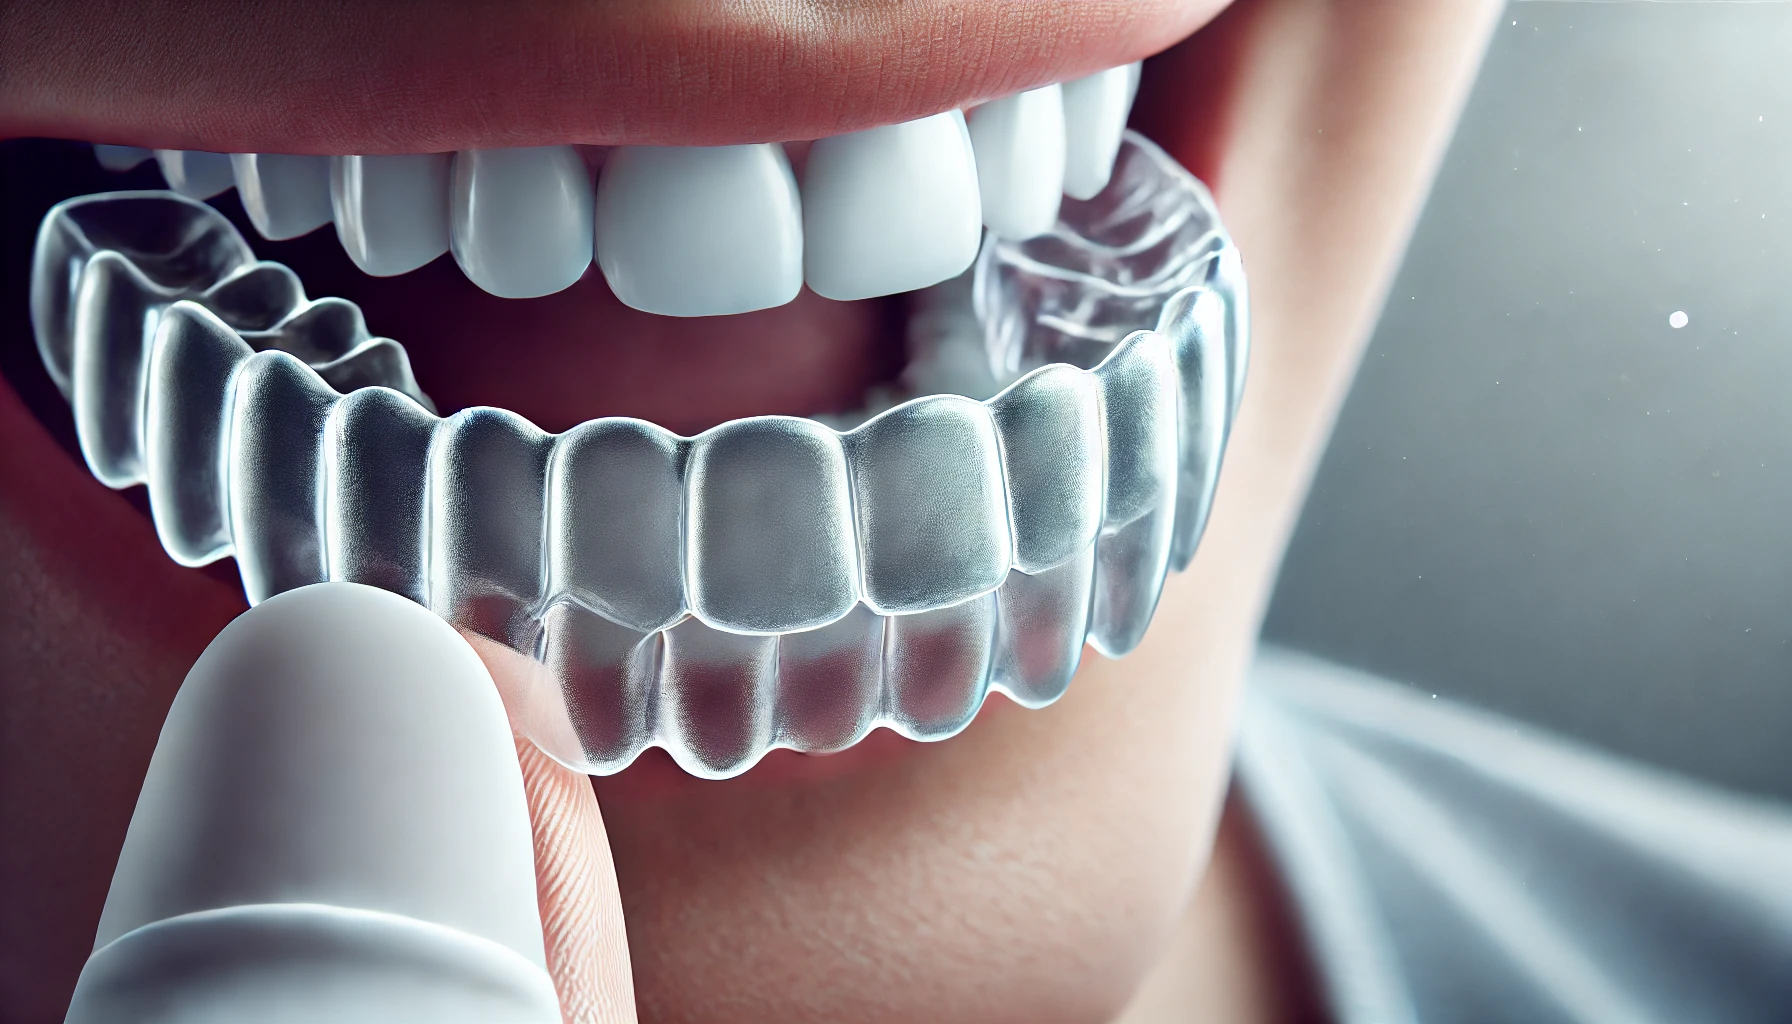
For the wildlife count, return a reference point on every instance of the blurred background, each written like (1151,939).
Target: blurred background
(1543,498)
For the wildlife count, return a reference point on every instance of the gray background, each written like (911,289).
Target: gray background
(1541,498)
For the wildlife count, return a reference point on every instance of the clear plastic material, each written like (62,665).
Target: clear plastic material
(772,582)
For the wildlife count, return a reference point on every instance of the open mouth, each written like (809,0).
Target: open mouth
(1073,346)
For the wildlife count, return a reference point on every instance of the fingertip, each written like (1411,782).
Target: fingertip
(581,907)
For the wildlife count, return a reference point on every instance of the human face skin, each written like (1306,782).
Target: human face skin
(1032,868)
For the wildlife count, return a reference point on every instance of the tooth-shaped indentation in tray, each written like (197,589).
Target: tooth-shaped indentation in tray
(770,583)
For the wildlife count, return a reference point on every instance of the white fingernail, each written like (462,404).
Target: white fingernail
(332,827)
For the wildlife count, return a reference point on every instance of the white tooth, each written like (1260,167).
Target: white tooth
(120,158)
(284,195)
(391,211)
(521,219)
(1095,111)
(194,174)
(891,209)
(1019,142)
(700,231)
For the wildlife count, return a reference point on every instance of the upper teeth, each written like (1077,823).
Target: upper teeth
(698,231)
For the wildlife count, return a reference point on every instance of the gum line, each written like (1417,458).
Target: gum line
(771,582)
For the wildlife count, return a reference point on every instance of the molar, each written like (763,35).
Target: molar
(890,209)
(700,230)
(522,219)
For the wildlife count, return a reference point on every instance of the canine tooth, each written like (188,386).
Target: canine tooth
(700,230)
(929,497)
(890,209)
(1095,112)
(194,174)
(1019,142)
(284,195)
(1050,426)
(1140,397)
(391,211)
(521,219)
(1130,564)
(120,158)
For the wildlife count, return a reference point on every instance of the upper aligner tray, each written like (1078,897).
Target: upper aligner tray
(770,582)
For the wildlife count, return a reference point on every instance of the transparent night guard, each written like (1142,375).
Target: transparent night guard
(773,582)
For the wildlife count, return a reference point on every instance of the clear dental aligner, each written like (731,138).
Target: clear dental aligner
(772,582)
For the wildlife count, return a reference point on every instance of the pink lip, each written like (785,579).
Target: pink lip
(433,77)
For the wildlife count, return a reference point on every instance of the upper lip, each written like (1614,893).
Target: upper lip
(435,77)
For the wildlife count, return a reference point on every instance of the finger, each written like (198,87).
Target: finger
(581,909)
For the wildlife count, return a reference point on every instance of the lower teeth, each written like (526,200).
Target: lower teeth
(772,582)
